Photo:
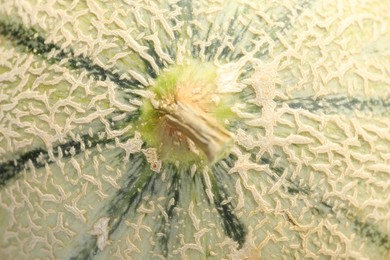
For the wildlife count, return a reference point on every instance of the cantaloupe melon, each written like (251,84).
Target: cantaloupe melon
(179,129)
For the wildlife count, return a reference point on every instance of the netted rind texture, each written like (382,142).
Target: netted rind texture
(307,177)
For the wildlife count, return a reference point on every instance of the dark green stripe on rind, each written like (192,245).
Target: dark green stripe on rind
(233,227)
(139,181)
(130,193)
(364,229)
(11,168)
(31,41)
(372,233)
(341,105)
(39,157)
(27,38)
(329,105)
(173,192)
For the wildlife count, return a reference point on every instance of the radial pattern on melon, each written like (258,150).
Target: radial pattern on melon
(181,129)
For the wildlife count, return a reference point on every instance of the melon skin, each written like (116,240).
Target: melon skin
(307,177)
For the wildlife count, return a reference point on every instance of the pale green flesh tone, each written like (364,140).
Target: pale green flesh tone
(307,87)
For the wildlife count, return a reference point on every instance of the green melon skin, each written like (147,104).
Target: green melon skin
(302,87)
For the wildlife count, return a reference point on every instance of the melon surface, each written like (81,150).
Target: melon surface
(179,129)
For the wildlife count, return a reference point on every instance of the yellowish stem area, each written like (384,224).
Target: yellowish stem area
(185,117)
(199,127)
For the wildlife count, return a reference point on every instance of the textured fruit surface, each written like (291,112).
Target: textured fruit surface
(185,115)
(307,87)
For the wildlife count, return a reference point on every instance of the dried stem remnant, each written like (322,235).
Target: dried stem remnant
(199,127)
(185,115)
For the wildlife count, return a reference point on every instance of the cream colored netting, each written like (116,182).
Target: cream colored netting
(309,175)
